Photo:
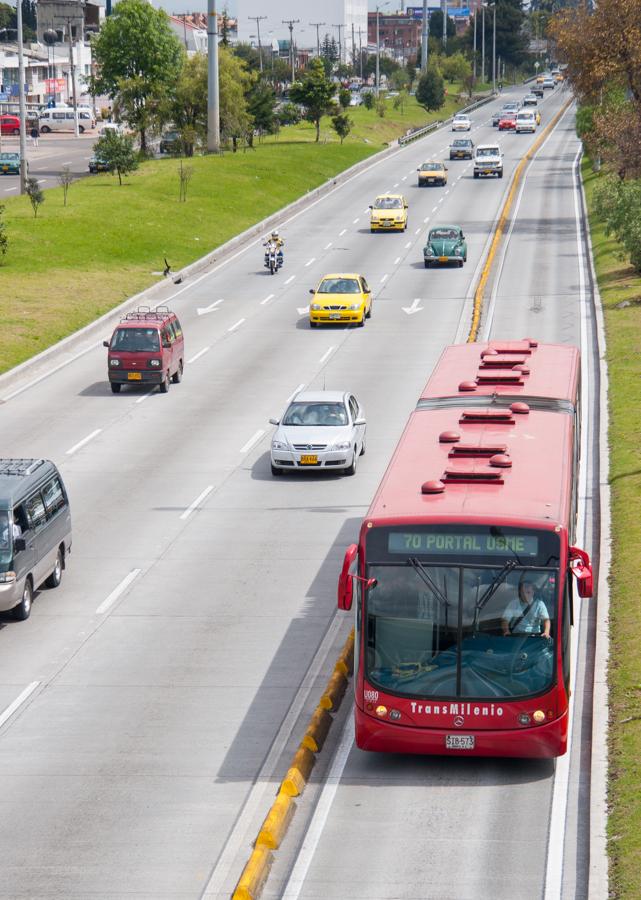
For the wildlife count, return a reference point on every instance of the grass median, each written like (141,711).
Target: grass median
(620,288)
(72,264)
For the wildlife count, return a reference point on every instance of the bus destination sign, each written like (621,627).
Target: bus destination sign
(480,543)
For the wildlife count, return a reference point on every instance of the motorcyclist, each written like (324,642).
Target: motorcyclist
(275,240)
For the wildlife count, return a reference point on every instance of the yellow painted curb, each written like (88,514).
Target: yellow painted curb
(498,234)
(335,691)
(275,825)
(293,783)
(317,730)
(254,875)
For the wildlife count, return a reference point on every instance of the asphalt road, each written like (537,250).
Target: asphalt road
(54,151)
(174,670)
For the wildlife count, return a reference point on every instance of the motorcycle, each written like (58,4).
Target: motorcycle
(273,258)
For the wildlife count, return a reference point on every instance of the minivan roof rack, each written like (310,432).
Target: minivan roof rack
(145,312)
(20,466)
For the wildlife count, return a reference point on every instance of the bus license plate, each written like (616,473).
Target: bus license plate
(134,376)
(309,460)
(459,742)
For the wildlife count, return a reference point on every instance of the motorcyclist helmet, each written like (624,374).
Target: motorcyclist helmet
(275,234)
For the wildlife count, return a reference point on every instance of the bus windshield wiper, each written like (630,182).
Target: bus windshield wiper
(426,578)
(494,586)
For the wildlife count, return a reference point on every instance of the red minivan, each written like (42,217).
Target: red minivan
(147,347)
(9,124)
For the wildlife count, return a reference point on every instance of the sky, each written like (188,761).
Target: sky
(172,6)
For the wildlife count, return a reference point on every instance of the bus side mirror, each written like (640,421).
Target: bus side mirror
(345,584)
(582,571)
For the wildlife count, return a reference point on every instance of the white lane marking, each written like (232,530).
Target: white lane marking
(384,278)
(418,231)
(396,185)
(6,714)
(411,172)
(302,310)
(145,396)
(426,220)
(326,355)
(327,246)
(309,262)
(297,391)
(355,221)
(414,308)
(84,441)
(41,180)
(441,200)
(408,245)
(253,440)
(261,793)
(267,299)
(434,208)
(404,178)
(203,310)
(8,190)
(118,591)
(342,232)
(198,355)
(199,499)
(291,278)
(447,192)
(397,260)
(365,211)
(319,819)
(236,325)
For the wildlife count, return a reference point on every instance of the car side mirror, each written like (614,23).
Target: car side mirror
(370,206)
(312,291)
(19,544)
(360,421)
(105,343)
(274,421)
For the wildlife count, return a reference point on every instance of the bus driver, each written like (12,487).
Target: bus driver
(526,614)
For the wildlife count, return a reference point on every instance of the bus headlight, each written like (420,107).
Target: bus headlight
(538,716)
(524,719)
(381,711)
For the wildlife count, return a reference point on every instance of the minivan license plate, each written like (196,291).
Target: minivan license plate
(134,376)
(309,460)
(459,742)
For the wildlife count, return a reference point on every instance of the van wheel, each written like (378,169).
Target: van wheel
(53,581)
(45,129)
(164,384)
(16,131)
(81,129)
(177,377)
(115,388)
(23,609)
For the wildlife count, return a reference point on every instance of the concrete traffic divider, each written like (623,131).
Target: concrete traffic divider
(276,822)
(317,730)
(335,690)
(254,875)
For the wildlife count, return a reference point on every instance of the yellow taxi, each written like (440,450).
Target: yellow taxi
(388,213)
(558,77)
(540,79)
(340,298)
(432,172)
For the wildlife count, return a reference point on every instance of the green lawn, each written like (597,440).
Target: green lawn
(620,288)
(72,264)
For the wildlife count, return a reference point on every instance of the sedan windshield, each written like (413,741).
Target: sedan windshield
(135,340)
(459,631)
(443,234)
(487,151)
(339,286)
(388,203)
(461,142)
(332,414)
(431,167)
(9,157)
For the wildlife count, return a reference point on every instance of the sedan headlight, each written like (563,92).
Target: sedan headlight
(354,306)
(458,251)
(114,362)
(429,251)
(279,445)
(342,445)
(154,362)
(399,217)
(315,306)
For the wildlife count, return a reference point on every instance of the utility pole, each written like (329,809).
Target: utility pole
(474,74)
(213,107)
(425,37)
(494,50)
(483,44)
(444,7)
(360,49)
(340,45)
(378,53)
(353,48)
(23,105)
(258,20)
(317,25)
(72,71)
(290,24)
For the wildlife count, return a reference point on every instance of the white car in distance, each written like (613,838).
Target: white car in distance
(461,123)
(319,430)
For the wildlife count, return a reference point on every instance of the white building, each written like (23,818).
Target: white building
(350,15)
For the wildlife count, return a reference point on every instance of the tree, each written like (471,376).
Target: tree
(35,194)
(411,72)
(430,91)
(185,174)
(381,106)
(224,28)
(117,151)
(456,68)
(187,106)
(342,125)
(261,103)
(400,100)
(618,203)
(249,56)
(4,240)
(65,177)
(289,114)
(369,99)
(314,93)
(138,59)
(329,54)
(344,97)
(234,82)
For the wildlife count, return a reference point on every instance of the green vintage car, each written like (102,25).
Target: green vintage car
(445,244)
(9,163)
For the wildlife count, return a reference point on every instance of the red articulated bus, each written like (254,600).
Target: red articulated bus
(462,579)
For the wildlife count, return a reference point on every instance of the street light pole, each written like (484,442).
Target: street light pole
(444,7)
(213,107)
(258,20)
(425,37)
(474,75)
(317,25)
(483,44)
(21,99)
(494,50)
(340,45)
(290,23)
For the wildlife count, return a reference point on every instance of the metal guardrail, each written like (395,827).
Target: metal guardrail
(426,129)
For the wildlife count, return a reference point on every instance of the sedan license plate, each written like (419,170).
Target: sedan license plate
(309,459)
(134,376)
(459,742)
(334,315)
(442,259)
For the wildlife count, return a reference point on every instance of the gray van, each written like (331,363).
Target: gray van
(35,531)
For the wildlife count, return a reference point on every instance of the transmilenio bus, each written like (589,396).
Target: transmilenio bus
(462,579)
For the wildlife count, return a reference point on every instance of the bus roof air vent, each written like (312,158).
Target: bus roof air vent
(487,416)
(531,341)
(524,370)
(432,487)
(501,461)
(467,386)
(449,437)
(520,409)
(477,451)
(510,377)
(472,476)
(502,361)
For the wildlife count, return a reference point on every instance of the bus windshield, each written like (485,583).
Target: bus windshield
(461,631)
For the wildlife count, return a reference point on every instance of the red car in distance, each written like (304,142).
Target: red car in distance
(507,122)
(9,124)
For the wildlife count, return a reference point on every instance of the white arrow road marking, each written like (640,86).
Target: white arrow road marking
(198,355)
(252,441)
(414,308)
(267,299)
(236,325)
(302,310)
(118,591)
(203,310)
(199,499)
(84,441)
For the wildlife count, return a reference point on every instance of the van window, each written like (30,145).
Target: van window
(53,496)
(36,511)
(177,329)
(57,115)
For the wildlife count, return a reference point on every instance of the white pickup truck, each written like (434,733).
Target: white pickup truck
(488,160)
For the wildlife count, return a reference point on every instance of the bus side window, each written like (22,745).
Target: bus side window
(568,621)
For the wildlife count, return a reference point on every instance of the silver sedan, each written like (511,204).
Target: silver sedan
(319,430)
